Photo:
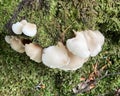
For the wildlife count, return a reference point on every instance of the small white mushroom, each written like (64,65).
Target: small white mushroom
(15,43)
(17,28)
(23,22)
(95,40)
(75,62)
(55,56)
(78,45)
(29,29)
(34,51)
(7,39)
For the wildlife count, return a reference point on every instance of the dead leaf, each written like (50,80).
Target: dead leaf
(82,79)
(89,83)
(117,93)
(40,86)
(92,86)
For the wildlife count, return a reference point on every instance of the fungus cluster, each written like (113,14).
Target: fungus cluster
(24,27)
(70,57)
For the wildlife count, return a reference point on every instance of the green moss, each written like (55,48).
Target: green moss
(6,10)
(19,75)
(54,17)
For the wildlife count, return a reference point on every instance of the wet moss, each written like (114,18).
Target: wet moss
(19,75)
(53,17)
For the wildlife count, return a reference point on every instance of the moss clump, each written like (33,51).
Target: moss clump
(19,75)
(53,17)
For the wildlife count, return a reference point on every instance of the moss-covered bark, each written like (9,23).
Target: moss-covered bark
(56,16)
(19,75)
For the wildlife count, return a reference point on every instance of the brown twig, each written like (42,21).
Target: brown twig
(94,82)
(63,33)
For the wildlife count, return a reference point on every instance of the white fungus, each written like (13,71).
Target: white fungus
(34,51)
(78,45)
(24,27)
(7,39)
(23,22)
(55,56)
(29,29)
(79,48)
(17,28)
(15,43)
(95,40)
(75,62)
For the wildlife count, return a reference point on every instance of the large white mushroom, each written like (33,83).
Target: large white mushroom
(95,40)
(78,45)
(75,62)
(34,51)
(29,29)
(55,56)
(15,43)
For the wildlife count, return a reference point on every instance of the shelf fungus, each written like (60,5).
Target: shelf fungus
(86,43)
(15,43)
(78,45)
(95,40)
(29,29)
(75,62)
(34,51)
(55,56)
(70,57)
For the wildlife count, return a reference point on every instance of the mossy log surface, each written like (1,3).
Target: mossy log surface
(56,19)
